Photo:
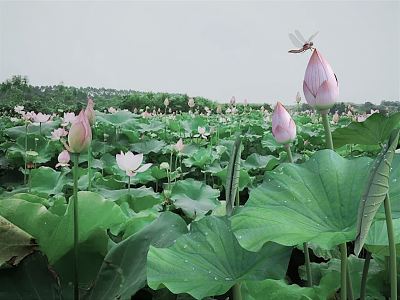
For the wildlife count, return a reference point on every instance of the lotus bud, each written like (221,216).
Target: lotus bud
(166,102)
(191,103)
(179,146)
(89,112)
(80,134)
(320,85)
(164,166)
(298,98)
(283,126)
(335,118)
(63,159)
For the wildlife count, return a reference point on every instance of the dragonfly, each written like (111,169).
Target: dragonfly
(300,42)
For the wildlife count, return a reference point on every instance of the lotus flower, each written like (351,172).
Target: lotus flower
(63,159)
(320,85)
(80,134)
(41,118)
(283,126)
(191,102)
(112,110)
(19,109)
(89,112)
(166,102)
(130,163)
(202,132)
(68,118)
(335,118)
(58,133)
(179,146)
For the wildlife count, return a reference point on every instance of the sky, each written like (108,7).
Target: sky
(214,49)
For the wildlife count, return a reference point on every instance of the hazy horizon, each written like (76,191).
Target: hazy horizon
(211,49)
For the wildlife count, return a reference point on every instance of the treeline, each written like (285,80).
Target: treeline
(49,99)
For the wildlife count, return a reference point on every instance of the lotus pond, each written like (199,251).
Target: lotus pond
(212,207)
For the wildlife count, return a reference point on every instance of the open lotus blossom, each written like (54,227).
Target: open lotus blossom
(112,110)
(202,132)
(80,134)
(19,109)
(361,118)
(130,163)
(28,116)
(41,118)
(63,159)
(283,126)
(320,85)
(68,118)
(191,102)
(89,112)
(179,146)
(58,133)
(374,111)
(335,118)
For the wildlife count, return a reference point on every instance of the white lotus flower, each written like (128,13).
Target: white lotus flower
(130,163)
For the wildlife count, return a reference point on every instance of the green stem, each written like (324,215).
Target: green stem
(26,149)
(350,295)
(363,288)
(129,186)
(328,134)
(89,154)
(343,272)
(237,204)
(392,249)
(305,245)
(30,180)
(237,295)
(75,157)
(308,264)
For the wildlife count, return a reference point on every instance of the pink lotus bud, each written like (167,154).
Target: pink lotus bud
(130,163)
(80,134)
(41,118)
(335,118)
(63,159)
(89,112)
(179,146)
(320,85)
(112,110)
(283,126)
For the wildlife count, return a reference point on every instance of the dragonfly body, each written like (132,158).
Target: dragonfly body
(299,41)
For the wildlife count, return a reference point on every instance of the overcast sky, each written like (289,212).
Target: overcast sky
(210,49)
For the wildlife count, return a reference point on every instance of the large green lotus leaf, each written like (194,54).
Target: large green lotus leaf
(394,190)
(31,279)
(47,180)
(120,118)
(15,243)
(257,161)
(279,289)
(123,272)
(154,125)
(192,125)
(54,233)
(374,130)
(194,197)
(244,178)
(146,147)
(377,239)
(47,128)
(139,221)
(269,142)
(199,158)
(316,202)
(209,261)
(45,148)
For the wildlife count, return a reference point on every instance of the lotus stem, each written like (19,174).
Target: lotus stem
(26,149)
(343,272)
(392,249)
(129,186)
(328,134)
(305,245)
(75,157)
(237,204)
(350,295)
(363,288)
(89,154)
(237,295)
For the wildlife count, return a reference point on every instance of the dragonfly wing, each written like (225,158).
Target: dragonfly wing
(312,37)
(300,37)
(295,41)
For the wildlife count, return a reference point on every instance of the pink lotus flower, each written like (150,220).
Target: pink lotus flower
(63,159)
(112,110)
(58,133)
(202,132)
(28,116)
(41,118)
(320,85)
(80,134)
(89,112)
(361,118)
(68,118)
(130,163)
(179,146)
(283,126)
